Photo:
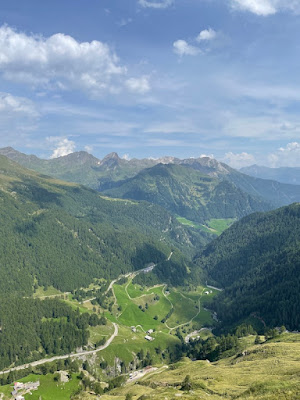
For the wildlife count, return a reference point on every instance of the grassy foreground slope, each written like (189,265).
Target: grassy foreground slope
(266,371)
(257,261)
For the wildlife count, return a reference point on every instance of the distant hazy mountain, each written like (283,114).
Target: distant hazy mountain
(283,174)
(257,261)
(189,193)
(277,193)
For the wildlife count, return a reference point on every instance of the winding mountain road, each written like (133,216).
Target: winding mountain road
(86,352)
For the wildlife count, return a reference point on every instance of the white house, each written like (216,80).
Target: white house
(149,338)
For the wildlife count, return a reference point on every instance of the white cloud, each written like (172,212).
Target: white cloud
(155,3)
(126,157)
(165,143)
(206,156)
(125,22)
(206,34)
(266,7)
(182,48)
(18,117)
(288,156)
(262,91)
(239,160)
(62,146)
(12,105)
(138,85)
(88,149)
(180,125)
(266,127)
(259,7)
(60,62)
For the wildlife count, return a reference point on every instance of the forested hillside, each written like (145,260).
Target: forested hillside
(189,193)
(31,328)
(64,235)
(257,262)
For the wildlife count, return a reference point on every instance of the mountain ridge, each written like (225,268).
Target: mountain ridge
(187,192)
(106,173)
(290,175)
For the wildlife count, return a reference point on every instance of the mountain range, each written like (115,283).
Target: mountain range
(211,189)
(283,174)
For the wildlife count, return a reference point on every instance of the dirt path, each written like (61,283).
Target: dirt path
(64,357)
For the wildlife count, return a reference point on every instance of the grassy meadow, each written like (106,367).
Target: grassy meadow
(214,226)
(269,371)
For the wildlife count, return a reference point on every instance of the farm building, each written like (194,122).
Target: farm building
(149,338)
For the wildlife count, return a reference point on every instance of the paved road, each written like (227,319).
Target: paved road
(64,357)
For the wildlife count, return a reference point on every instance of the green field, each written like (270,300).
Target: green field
(132,315)
(48,390)
(185,221)
(143,308)
(99,332)
(147,307)
(215,226)
(128,343)
(220,225)
(51,291)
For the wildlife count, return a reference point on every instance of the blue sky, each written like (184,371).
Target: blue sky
(147,78)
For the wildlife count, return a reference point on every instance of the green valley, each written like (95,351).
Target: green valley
(122,297)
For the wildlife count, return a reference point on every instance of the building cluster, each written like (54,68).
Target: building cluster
(24,387)
(148,336)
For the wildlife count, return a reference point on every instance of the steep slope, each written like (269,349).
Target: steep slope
(61,234)
(283,175)
(266,371)
(188,193)
(257,261)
